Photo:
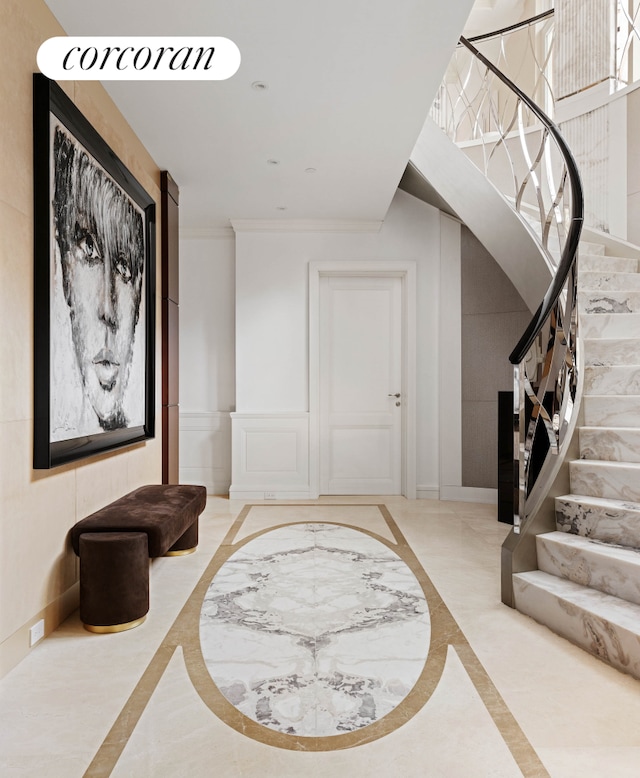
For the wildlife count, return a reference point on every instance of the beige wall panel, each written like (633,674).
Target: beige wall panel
(16,314)
(38,570)
(24,25)
(144,460)
(37,510)
(96,104)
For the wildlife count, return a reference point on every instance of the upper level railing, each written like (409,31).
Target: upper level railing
(522,152)
(524,53)
(627,42)
(465,109)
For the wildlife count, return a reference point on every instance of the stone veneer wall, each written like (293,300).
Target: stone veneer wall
(38,570)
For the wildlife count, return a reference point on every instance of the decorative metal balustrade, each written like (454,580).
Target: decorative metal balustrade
(521,151)
(466,109)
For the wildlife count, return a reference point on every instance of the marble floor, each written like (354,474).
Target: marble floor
(339,637)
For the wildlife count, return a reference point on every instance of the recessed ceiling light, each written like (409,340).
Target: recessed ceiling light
(260,86)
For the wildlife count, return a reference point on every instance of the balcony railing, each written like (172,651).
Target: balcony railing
(627,42)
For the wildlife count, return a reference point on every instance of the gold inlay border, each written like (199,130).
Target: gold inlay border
(445,632)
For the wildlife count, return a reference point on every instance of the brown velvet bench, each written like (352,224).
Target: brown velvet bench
(115,544)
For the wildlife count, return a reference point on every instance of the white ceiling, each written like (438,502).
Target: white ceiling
(350,83)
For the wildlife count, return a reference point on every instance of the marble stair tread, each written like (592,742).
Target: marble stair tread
(611,351)
(599,518)
(606,279)
(606,264)
(608,568)
(611,444)
(612,379)
(605,626)
(611,410)
(604,301)
(615,480)
(610,325)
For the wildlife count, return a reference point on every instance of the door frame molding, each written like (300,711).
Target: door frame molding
(406,271)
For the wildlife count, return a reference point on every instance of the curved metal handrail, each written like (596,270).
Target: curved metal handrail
(570,249)
(545,361)
(466,110)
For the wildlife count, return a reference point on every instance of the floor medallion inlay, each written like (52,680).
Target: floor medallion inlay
(314,635)
(315,630)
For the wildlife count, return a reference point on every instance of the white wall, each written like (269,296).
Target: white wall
(207,360)
(272,360)
(633,165)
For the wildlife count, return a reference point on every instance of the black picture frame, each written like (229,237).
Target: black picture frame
(87,412)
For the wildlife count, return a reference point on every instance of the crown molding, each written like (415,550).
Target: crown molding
(206,233)
(304,225)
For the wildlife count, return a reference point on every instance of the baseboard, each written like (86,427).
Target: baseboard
(213,482)
(427,493)
(251,495)
(469,494)
(16,647)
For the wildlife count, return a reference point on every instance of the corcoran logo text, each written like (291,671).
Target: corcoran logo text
(138,58)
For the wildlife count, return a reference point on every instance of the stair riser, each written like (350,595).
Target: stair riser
(616,573)
(610,445)
(604,264)
(608,302)
(611,411)
(606,351)
(612,379)
(610,325)
(597,279)
(610,524)
(613,481)
(588,248)
(615,645)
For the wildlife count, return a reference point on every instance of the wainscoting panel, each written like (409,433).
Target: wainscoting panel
(270,458)
(205,450)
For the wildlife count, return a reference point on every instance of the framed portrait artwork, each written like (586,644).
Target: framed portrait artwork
(94,246)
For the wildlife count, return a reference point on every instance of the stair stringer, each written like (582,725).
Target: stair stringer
(448,171)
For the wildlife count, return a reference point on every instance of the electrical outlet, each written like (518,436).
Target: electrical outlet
(36,632)
(269,495)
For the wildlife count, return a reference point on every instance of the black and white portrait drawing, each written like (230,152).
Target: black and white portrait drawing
(94,289)
(97,301)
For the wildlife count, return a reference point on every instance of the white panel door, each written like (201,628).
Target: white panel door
(360,385)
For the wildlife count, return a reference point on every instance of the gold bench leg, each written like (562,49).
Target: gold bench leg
(182,551)
(115,627)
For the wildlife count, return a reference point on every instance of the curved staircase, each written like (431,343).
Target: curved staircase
(587,585)
(571,562)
